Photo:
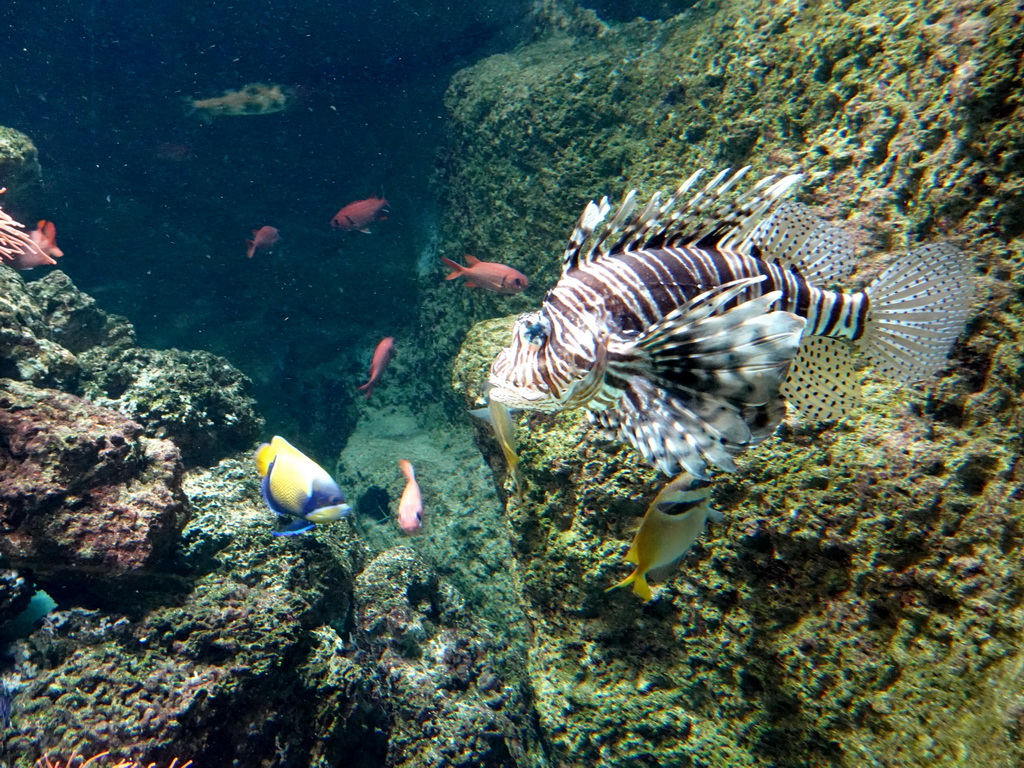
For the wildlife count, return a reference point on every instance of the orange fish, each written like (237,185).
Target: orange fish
(42,251)
(410,506)
(381,357)
(361,214)
(265,238)
(487,274)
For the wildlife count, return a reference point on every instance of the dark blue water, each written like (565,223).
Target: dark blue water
(153,205)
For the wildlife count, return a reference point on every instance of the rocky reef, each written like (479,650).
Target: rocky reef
(182,627)
(860,605)
(862,602)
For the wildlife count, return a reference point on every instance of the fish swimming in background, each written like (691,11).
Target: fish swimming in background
(672,523)
(486,274)
(45,238)
(410,506)
(251,99)
(381,357)
(263,242)
(297,488)
(360,214)
(684,327)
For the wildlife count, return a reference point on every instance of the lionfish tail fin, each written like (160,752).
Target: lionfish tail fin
(711,388)
(918,308)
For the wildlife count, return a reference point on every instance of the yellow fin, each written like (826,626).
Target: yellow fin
(639,582)
(264,455)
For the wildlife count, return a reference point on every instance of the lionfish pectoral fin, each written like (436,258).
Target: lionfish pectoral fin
(822,383)
(712,387)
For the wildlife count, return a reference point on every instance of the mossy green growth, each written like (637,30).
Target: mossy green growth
(861,606)
(19,161)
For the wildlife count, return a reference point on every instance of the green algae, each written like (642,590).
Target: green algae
(864,595)
(19,162)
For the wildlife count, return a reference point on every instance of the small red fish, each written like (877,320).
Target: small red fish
(487,274)
(410,506)
(265,238)
(361,214)
(381,357)
(45,236)
(42,251)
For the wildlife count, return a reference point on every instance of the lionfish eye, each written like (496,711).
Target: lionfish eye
(536,333)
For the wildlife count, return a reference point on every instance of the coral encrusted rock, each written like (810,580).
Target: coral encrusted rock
(19,160)
(81,489)
(447,684)
(863,602)
(197,399)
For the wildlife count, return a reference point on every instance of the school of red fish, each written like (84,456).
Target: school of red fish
(38,247)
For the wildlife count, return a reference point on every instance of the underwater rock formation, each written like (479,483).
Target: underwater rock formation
(453,697)
(19,161)
(862,601)
(53,335)
(195,398)
(81,489)
(273,652)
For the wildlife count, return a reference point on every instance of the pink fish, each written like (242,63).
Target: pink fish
(265,238)
(42,251)
(361,214)
(381,357)
(487,274)
(410,507)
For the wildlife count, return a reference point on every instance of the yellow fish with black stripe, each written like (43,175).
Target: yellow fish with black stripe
(297,488)
(672,523)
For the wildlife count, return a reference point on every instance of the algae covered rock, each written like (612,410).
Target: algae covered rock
(19,161)
(82,491)
(452,696)
(197,399)
(862,601)
(26,354)
(73,319)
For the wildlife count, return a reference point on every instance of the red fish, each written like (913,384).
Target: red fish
(42,251)
(361,214)
(381,357)
(487,274)
(410,506)
(265,238)
(46,238)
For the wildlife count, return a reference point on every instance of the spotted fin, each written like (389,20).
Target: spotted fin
(918,307)
(711,388)
(797,239)
(822,383)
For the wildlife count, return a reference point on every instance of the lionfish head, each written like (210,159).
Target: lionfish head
(531,373)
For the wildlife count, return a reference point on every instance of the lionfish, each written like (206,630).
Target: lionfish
(684,327)
(12,237)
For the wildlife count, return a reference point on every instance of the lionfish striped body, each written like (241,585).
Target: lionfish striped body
(684,327)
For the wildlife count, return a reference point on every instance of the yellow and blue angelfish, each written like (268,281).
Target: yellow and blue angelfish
(297,488)
(673,522)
